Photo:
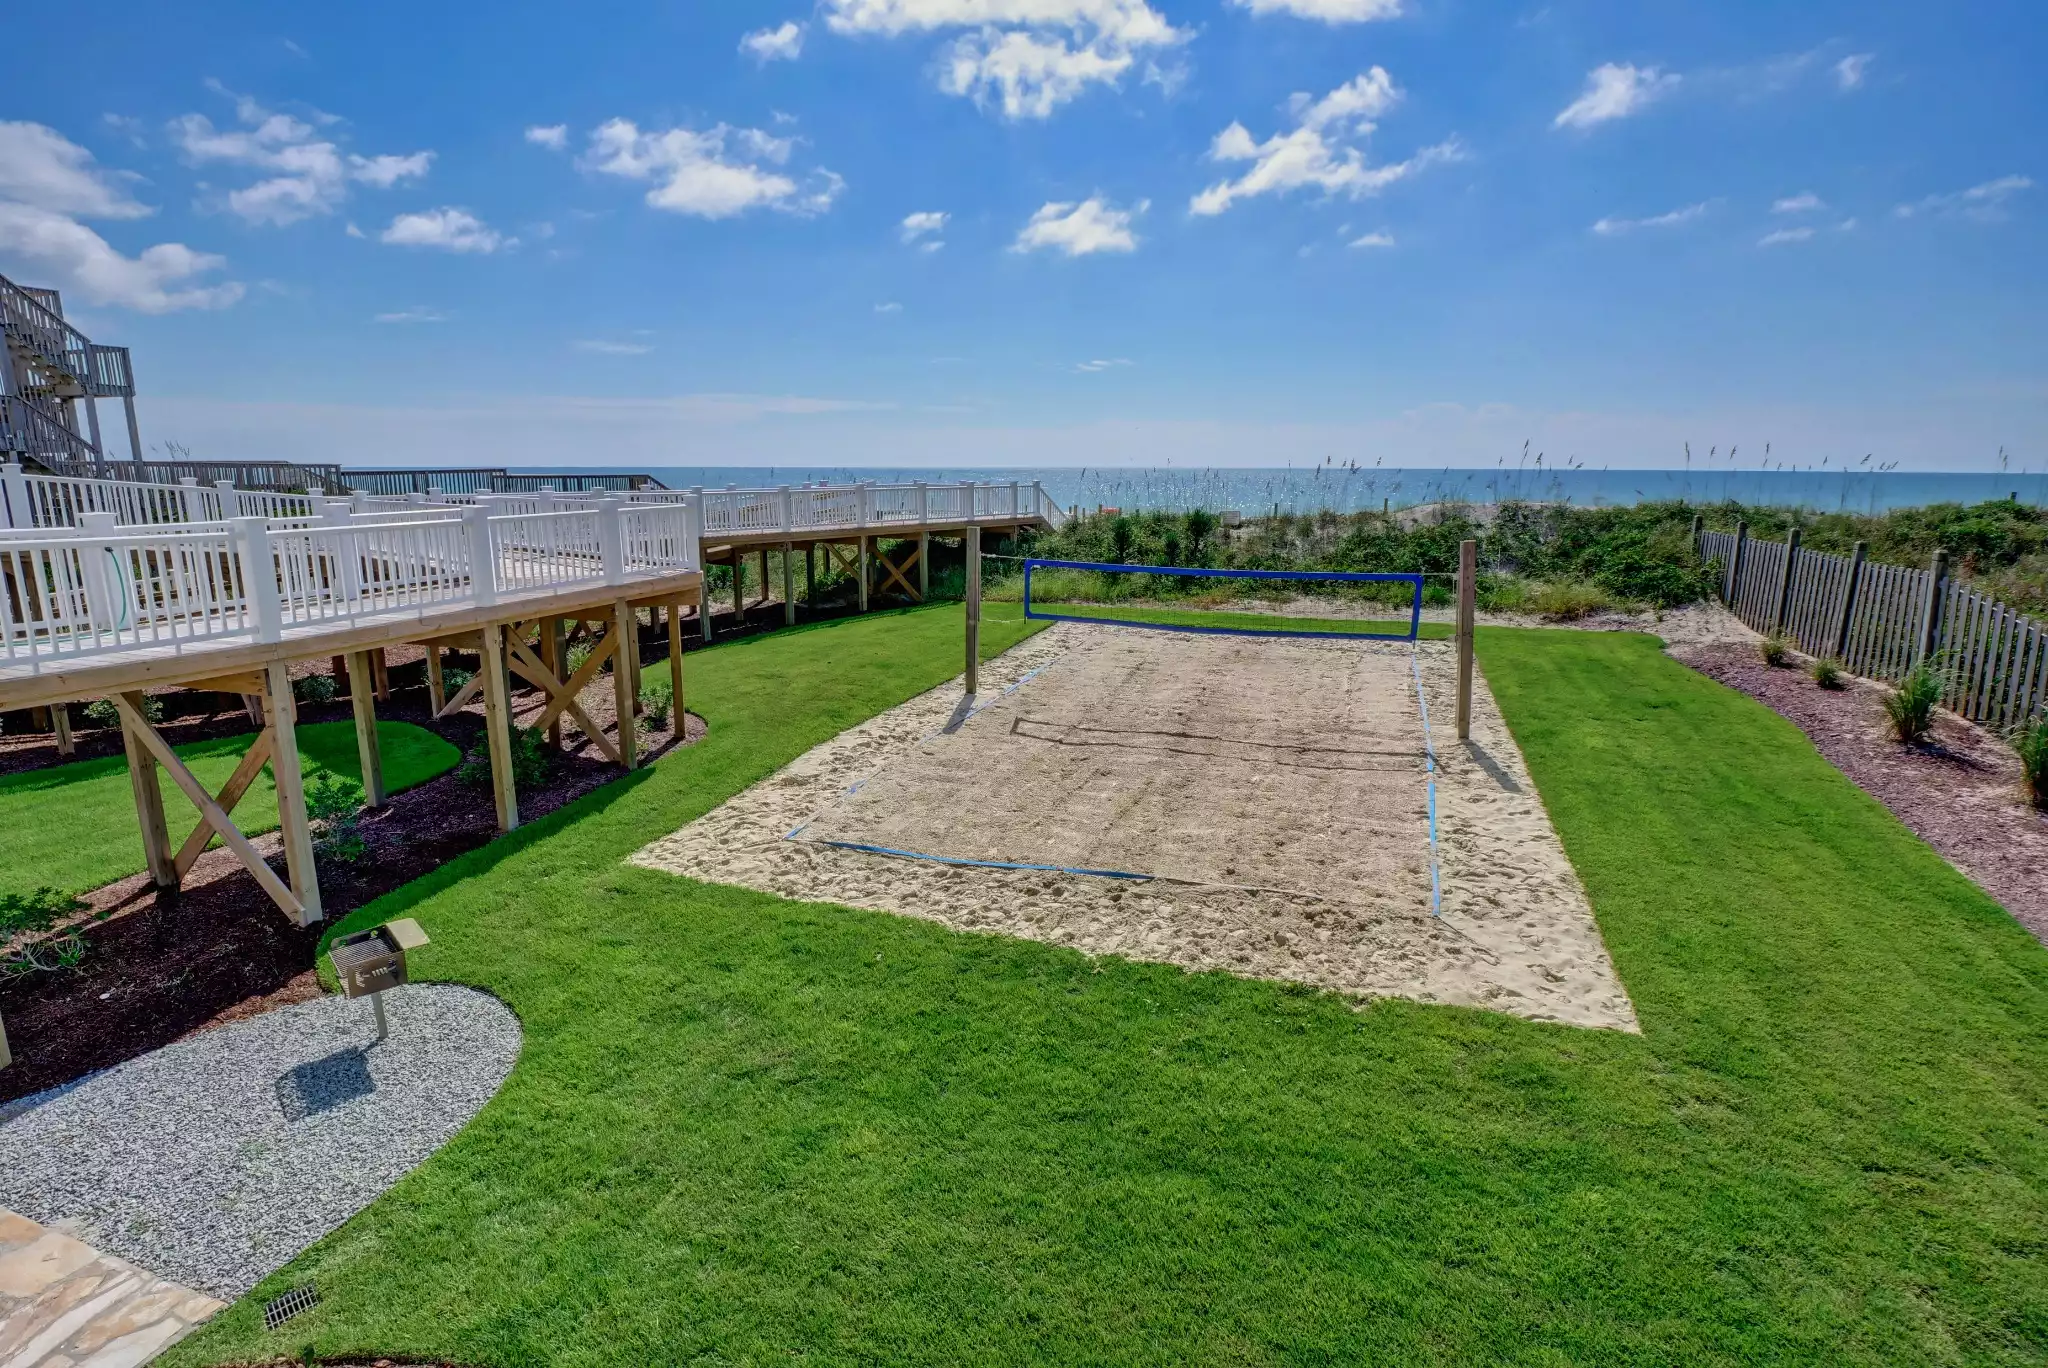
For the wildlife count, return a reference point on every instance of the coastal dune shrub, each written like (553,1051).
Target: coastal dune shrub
(1909,708)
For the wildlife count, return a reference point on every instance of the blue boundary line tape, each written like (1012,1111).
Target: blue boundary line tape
(988,864)
(1436,883)
(1194,572)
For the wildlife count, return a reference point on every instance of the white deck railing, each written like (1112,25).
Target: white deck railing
(57,501)
(862,507)
(100,589)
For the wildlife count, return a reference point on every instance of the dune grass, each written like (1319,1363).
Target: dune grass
(746,1130)
(73,827)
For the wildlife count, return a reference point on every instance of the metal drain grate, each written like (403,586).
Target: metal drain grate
(278,1310)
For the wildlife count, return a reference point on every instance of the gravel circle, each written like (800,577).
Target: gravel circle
(217,1159)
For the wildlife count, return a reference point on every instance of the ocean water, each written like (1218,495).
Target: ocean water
(1346,490)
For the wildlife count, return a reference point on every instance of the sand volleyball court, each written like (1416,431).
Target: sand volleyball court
(1255,805)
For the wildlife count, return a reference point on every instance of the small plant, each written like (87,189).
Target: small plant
(101,712)
(455,679)
(1569,600)
(529,760)
(657,701)
(318,688)
(334,806)
(578,654)
(44,957)
(1910,707)
(1776,650)
(2030,742)
(37,911)
(1827,672)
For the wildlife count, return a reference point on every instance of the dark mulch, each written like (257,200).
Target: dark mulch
(158,966)
(1960,794)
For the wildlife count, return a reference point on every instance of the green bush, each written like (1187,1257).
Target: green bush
(37,911)
(657,698)
(1569,601)
(1827,672)
(315,689)
(1910,707)
(454,679)
(2030,742)
(333,807)
(530,762)
(1776,649)
(101,712)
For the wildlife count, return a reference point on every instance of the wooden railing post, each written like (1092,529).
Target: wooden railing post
(186,488)
(1785,583)
(1849,591)
(787,505)
(924,503)
(258,569)
(1930,611)
(96,557)
(483,568)
(611,540)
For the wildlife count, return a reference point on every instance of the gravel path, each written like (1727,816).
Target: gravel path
(216,1159)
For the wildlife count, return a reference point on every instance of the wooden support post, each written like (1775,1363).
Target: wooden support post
(6,1057)
(1785,583)
(380,670)
(1849,592)
(1930,611)
(766,592)
(368,751)
(60,724)
(344,682)
(149,798)
(739,597)
(624,661)
(675,668)
(863,561)
(437,690)
(293,825)
(498,726)
(1699,528)
(1733,584)
(788,585)
(924,565)
(553,651)
(1468,601)
(811,574)
(973,609)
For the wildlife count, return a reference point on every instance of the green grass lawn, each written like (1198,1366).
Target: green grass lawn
(73,827)
(746,1130)
(1237,620)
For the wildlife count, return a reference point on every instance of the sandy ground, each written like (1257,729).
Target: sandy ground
(1204,742)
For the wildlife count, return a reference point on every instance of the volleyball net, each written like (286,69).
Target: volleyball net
(1179,598)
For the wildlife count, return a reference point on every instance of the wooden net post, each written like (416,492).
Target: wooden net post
(1468,597)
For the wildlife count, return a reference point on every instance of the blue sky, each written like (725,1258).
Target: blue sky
(1234,232)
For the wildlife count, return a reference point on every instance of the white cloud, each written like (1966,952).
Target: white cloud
(554,137)
(1983,203)
(598,347)
(450,229)
(312,174)
(413,316)
(1097,367)
(1379,239)
(351,230)
(1614,227)
(1317,152)
(1850,71)
(64,252)
(892,307)
(1026,57)
(1614,90)
(1093,225)
(776,44)
(714,174)
(922,229)
(1806,202)
(1329,11)
(42,168)
(1784,235)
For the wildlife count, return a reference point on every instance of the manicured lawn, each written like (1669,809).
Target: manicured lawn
(748,1130)
(1238,621)
(73,827)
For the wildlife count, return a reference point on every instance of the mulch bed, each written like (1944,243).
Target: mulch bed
(157,966)
(1960,793)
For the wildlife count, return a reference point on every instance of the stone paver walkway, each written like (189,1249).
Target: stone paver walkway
(63,1304)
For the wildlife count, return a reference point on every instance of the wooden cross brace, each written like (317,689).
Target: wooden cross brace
(561,697)
(896,573)
(843,557)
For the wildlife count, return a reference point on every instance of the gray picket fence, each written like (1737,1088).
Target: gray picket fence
(1881,620)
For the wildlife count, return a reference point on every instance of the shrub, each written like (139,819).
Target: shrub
(657,699)
(1827,672)
(101,712)
(318,688)
(37,911)
(1910,707)
(333,806)
(1569,600)
(455,679)
(529,760)
(1776,649)
(2030,741)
